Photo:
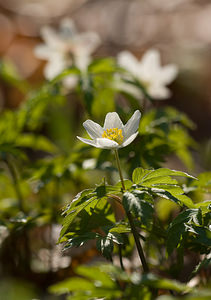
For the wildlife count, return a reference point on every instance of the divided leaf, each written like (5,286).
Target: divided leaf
(159,182)
(138,174)
(105,245)
(178,227)
(85,200)
(77,241)
(88,204)
(137,202)
(141,176)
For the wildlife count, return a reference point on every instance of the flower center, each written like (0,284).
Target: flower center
(113,134)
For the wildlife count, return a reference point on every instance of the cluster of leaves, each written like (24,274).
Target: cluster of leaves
(90,215)
(100,280)
(164,131)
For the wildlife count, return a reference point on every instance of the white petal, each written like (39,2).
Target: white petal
(93,129)
(54,68)
(129,140)
(112,120)
(122,86)
(159,92)
(86,43)
(149,67)
(86,141)
(82,61)
(51,37)
(128,61)
(151,59)
(168,74)
(44,52)
(106,143)
(132,125)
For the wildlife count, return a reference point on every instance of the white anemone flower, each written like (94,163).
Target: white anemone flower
(113,134)
(65,48)
(149,72)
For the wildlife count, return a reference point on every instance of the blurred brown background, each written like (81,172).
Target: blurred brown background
(180,29)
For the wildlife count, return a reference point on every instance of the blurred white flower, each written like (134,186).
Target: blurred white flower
(149,72)
(65,48)
(89,163)
(114,134)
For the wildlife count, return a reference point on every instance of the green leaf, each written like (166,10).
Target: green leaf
(156,282)
(181,141)
(102,65)
(137,202)
(96,273)
(105,245)
(166,172)
(68,72)
(36,142)
(79,199)
(77,241)
(158,181)
(70,285)
(127,183)
(33,112)
(203,235)
(138,174)
(104,190)
(204,205)
(186,201)
(157,178)
(171,193)
(203,183)
(177,228)
(88,204)
(115,237)
(94,283)
(120,228)
(163,132)
(9,74)
(131,203)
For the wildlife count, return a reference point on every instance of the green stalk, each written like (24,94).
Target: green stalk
(119,168)
(15,183)
(27,251)
(138,244)
(130,219)
(120,257)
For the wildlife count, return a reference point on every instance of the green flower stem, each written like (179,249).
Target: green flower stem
(119,168)
(15,182)
(130,218)
(120,257)
(138,244)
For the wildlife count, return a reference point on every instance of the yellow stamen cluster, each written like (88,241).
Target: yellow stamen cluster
(113,134)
